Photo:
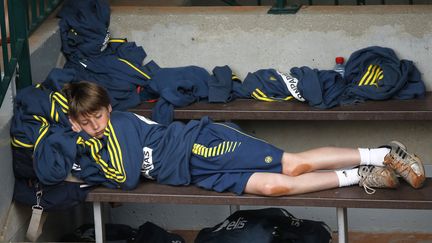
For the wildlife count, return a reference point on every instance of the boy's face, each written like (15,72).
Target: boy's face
(93,124)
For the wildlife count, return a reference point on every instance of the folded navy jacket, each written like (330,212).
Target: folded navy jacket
(376,73)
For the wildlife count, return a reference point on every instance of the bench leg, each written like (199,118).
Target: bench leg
(98,223)
(342,225)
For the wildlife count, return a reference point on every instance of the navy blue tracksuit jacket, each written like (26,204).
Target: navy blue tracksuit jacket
(376,73)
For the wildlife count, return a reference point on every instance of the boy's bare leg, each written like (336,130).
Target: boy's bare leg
(294,164)
(274,184)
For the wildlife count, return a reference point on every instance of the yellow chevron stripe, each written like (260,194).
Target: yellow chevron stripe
(235,146)
(42,120)
(80,141)
(219,149)
(118,156)
(196,149)
(112,150)
(136,69)
(42,130)
(63,102)
(203,149)
(259,95)
(375,77)
(117,40)
(371,75)
(214,151)
(234,77)
(199,149)
(52,111)
(288,97)
(379,75)
(41,135)
(365,75)
(56,97)
(108,172)
(16,143)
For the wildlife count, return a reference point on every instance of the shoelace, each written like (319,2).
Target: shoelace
(366,171)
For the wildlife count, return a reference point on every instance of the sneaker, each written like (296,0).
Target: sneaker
(377,177)
(407,165)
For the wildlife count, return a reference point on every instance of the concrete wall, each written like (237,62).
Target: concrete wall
(6,174)
(247,39)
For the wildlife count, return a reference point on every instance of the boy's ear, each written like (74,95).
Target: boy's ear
(109,108)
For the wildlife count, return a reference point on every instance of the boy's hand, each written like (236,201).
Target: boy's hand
(75,126)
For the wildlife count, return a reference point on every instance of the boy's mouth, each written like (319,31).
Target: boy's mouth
(99,134)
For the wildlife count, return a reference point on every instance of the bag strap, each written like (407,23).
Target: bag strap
(37,219)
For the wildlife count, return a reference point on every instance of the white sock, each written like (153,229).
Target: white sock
(373,156)
(348,177)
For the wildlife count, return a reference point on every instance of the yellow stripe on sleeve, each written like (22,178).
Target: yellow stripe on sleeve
(259,95)
(113,40)
(136,69)
(16,143)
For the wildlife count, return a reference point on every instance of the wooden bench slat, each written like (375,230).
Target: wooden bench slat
(404,197)
(250,109)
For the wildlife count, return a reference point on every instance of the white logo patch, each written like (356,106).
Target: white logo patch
(76,167)
(105,42)
(146,120)
(292,84)
(238,224)
(147,164)
(83,64)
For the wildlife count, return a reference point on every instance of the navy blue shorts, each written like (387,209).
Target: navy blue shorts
(224,158)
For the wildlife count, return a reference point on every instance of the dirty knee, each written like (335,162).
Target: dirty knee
(275,190)
(296,169)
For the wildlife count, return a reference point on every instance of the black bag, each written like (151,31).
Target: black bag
(152,233)
(270,225)
(29,191)
(113,232)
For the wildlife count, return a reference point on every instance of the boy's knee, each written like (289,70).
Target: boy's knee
(297,169)
(275,189)
(292,165)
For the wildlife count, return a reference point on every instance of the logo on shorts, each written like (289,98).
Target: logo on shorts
(268,159)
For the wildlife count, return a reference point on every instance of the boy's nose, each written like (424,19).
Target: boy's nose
(95,125)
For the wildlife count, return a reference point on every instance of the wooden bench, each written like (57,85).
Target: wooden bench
(341,198)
